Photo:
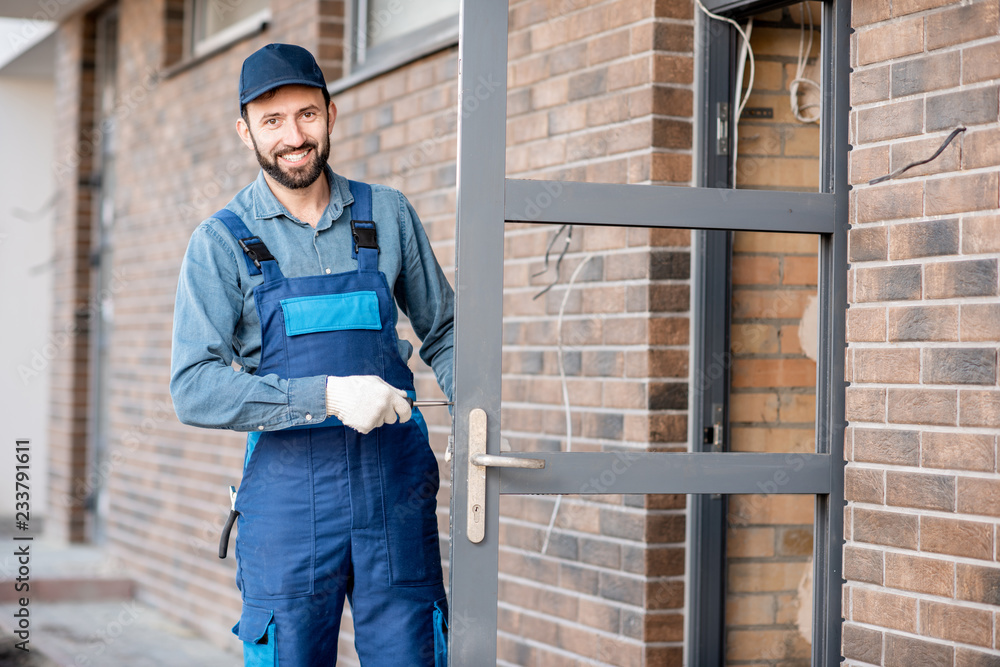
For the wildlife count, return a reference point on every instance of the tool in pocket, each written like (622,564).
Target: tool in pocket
(230,522)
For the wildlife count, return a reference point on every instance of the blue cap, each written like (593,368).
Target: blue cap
(278,65)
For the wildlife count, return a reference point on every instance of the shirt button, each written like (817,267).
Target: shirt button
(260,428)
(308,417)
(328,270)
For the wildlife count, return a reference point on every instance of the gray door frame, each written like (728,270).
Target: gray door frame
(486,199)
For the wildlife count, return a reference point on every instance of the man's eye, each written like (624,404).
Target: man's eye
(309,114)
(271,121)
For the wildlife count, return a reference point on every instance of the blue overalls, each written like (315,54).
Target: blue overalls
(324,511)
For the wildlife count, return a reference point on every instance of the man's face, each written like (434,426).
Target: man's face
(289,132)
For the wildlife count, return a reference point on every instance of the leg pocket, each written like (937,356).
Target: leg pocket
(441,633)
(256,630)
(409,491)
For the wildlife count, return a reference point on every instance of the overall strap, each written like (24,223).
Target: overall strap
(363,226)
(258,258)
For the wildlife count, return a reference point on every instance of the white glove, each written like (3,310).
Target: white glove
(365,402)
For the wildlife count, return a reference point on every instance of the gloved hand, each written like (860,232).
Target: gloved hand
(365,402)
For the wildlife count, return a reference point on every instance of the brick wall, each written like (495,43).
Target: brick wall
(773,377)
(67,360)
(923,330)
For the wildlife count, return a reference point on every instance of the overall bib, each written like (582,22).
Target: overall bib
(324,511)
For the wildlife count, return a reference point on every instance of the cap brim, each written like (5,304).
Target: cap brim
(254,94)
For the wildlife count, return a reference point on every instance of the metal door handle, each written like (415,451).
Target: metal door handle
(479,460)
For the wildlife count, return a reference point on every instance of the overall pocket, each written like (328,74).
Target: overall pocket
(276,538)
(256,630)
(410,485)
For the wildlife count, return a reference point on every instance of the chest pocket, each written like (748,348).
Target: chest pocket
(331,312)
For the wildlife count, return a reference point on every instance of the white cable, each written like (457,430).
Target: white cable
(565,388)
(744,54)
(746,41)
(800,70)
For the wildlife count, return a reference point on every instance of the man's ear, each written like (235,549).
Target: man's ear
(244,131)
(331,117)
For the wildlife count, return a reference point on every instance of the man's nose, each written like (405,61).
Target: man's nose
(295,135)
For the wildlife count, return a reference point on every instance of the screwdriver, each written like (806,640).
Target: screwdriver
(428,403)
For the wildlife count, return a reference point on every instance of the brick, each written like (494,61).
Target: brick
(864,12)
(923,239)
(864,485)
(981,148)
(970,539)
(890,201)
(744,645)
(923,323)
(877,607)
(966,107)
(965,657)
(981,321)
(891,40)
(978,583)
(957,451)
(752,542)
(910,572)
(866,324)
(979,496)
(869,85)
(868,163)
(881,365)
(980,408)
(946,280)
(904,7)
(865,405)
(981,63)
(956,623)
(908,651)
(774,373)
(866,244)
(750,609)
(933,492)
(960,366)
(924,74)
(887,283)
(863,565)
(891,529)
(864,644)
(922,406)
(753,339)
(981,234)
(962,23)
(961,194)
(890,121)
(755,270)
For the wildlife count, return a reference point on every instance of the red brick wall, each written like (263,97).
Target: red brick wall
(923,330)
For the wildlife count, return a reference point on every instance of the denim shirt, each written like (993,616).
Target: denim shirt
(216,336)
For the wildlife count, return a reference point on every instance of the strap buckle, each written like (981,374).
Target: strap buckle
(364,237)
(256,250)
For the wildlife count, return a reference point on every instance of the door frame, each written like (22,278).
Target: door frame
(486,199)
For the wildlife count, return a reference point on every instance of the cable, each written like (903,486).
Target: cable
(565,389)
(800,70)
(954,133)
(746,41)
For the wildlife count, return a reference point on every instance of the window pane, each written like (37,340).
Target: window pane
(388,19)
(214,16)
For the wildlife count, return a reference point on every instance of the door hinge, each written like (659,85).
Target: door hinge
(722,128)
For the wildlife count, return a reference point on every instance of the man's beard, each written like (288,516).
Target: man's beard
(305,174)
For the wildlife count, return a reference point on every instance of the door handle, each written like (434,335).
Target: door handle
(479,460)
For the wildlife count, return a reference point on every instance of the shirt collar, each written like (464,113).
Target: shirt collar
(266,205)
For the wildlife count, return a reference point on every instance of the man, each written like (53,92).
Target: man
(296,282)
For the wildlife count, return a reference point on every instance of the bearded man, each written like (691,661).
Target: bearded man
(285,327)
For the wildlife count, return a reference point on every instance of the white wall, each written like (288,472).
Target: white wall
(26,212)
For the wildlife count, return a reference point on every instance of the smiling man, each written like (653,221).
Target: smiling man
(285,327)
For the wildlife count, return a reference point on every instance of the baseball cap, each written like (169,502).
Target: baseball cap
(278,65)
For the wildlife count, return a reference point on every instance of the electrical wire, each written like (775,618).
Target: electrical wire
(746,40)
(800,70)
(565,388)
